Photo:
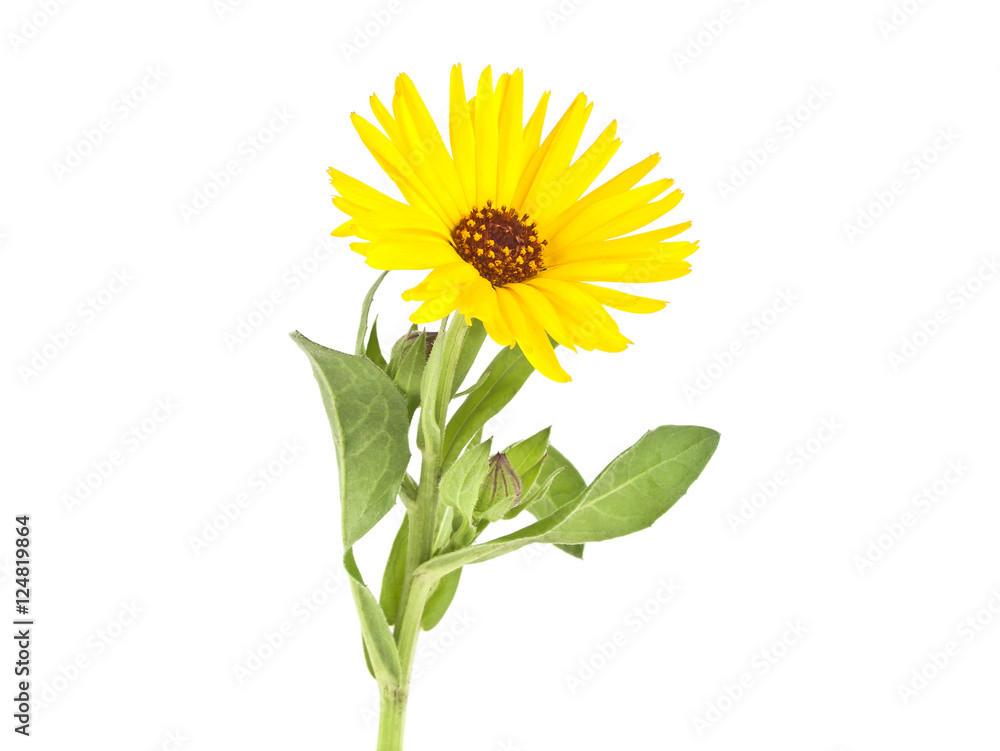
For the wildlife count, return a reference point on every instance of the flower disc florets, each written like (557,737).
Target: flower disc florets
(502,246)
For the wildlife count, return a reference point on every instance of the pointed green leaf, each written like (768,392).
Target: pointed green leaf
(444,564)
(446,516)
(476,385)
(640,485)
(373,351)
(368,658)
(470,350)
(461,482)
(508,372)
(395,570)
(525,455)
(565,486)
(359,348)
(440,600)
(368,418)
(381,652)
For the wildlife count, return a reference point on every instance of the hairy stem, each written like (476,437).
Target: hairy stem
(436,392)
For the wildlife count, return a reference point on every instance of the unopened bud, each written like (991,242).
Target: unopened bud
(501,490)
(429,338)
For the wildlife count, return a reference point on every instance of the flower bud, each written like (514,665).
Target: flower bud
(429,338)
(500,492)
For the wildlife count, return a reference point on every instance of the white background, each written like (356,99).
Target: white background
(507,669)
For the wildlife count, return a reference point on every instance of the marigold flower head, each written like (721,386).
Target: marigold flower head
(504,220)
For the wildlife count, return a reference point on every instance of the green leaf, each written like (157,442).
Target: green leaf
(443,565)
(565,486)
(508,372)
(381,652)
(368,418)
(525,455)
(359,347)
(368,658)
(640,485)
(446,516)
(476,385)
(395,571)
(440,600)
(411,370)
(470,350)
(373,351)
(461,482)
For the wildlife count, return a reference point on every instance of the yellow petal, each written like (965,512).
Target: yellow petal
(628,272)
(486,139)
(442,280)
(435,309)
(530,336)
(479,300)
(587,323)
(400,218)
(420,161)
(587,271)
(384,118)
(557,157)
(510,138)
(463,138)
(398,170)
(344,230)
(359,193)
(635,219)
(396,254)
(617,184)
(622,300)
(599,221)
(632,247)
(533,131)
(541,309)
(542,152)
(575,179)
(436,166)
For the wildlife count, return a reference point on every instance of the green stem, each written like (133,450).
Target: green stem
(392,711)
(436,391)
(391,721)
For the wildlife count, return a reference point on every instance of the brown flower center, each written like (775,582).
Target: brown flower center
(502,246)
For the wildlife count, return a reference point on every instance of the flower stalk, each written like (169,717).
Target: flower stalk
(437,388)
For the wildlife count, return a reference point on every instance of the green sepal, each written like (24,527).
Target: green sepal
(398,349)
(411,371)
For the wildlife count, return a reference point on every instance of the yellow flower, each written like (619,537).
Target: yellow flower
(503,222)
